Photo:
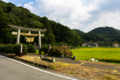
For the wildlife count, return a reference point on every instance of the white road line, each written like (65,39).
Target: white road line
(39,69)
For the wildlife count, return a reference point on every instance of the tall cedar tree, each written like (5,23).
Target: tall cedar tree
(49,37)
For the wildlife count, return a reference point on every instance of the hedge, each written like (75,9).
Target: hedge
(17,49)
(7,48)
(31,48)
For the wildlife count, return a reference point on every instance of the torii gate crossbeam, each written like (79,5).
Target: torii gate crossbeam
(28,34)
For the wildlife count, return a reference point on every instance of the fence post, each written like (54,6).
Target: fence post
(21,50)
(49,47)
(53,59)
(74,57)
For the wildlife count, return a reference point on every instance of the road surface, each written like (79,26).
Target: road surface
(14,70)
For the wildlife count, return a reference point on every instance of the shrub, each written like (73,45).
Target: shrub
(60,51)
(44,49)
(25,49)
(7,48)
(17,49)
(2,48)
(31,48)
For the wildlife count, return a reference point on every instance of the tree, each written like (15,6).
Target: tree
(16,11)
(6,35)
(14,20)
(50,38)
(35,24)
(9,7)
(3,5)
(3,19)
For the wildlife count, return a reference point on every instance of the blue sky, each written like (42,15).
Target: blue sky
(84,15)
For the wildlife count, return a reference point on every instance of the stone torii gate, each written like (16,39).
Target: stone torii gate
(18,33)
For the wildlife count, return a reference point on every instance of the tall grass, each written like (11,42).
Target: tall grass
(105,54)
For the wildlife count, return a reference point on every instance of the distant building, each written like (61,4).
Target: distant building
(89,44)
(115,45)
(95,44)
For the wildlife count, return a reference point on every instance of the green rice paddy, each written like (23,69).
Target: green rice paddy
(104,54)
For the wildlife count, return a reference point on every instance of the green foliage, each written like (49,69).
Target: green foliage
(6,35)
(16,11)
(17,49)
(64,34)
(60,51)
(107,34)
(31,48)
(25,49)
(13,19)
(7,48)
(35,23)
(44,49)
(50,38)
(10,6)
(2,48)
(3,18)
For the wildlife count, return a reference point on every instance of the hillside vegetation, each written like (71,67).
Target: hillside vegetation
(105,36)
(56,33)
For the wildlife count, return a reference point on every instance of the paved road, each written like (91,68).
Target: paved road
(15,70)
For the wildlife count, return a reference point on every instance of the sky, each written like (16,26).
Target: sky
(84,15)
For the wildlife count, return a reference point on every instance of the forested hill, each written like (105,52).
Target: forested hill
(110,31)
(105,36)
(107,32)
(19,16)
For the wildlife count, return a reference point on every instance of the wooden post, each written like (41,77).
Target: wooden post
(18,37)
(74,57)
(21,50)
(49,47)
(39,41)
(41,56)
(53,59)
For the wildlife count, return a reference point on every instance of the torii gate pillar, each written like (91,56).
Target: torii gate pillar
(39,41)
(18,37)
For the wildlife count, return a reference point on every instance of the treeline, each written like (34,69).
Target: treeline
(56,33)
(104,36)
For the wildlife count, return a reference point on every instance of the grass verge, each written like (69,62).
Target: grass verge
(76,69)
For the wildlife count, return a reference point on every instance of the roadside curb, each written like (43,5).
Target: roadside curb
(35,64)
(26,61)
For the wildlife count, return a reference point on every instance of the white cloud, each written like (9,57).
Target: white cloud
(80,14)
(29,6)
(108,19)
(19,5)
(6,0)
